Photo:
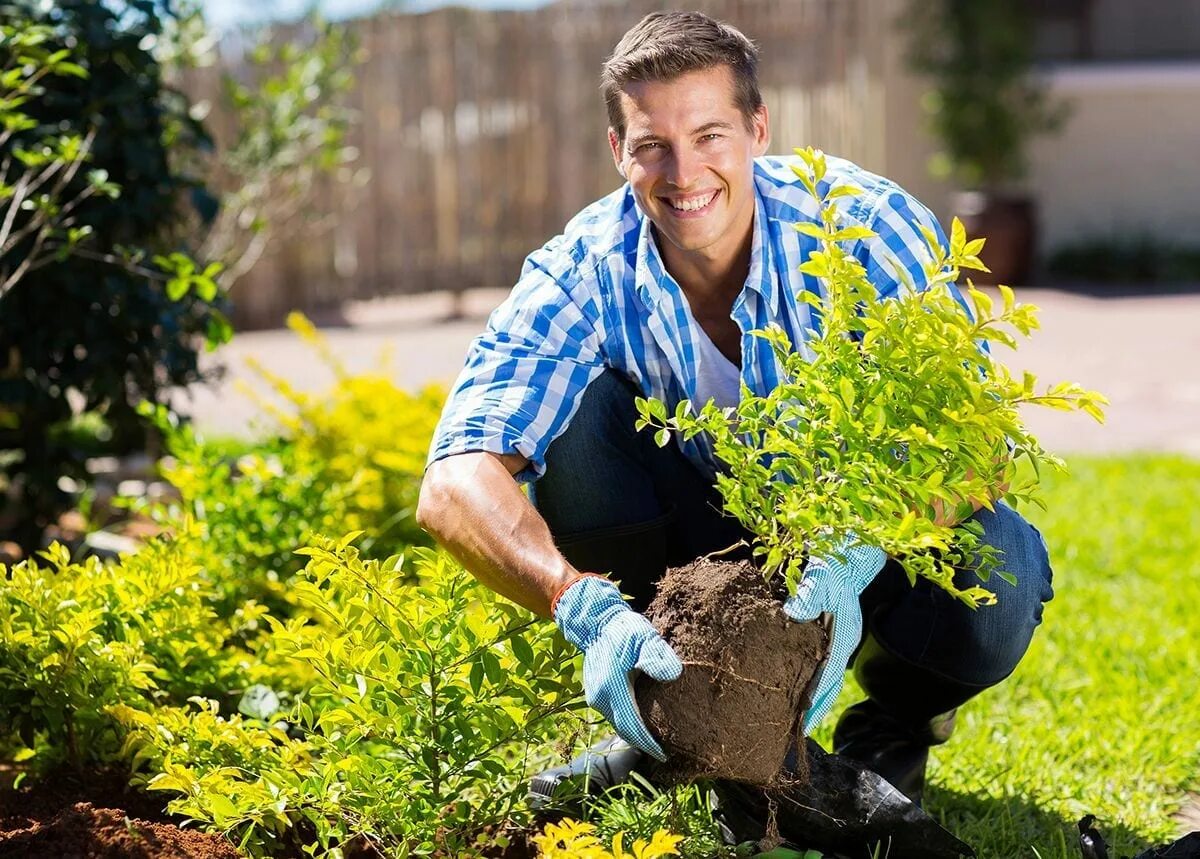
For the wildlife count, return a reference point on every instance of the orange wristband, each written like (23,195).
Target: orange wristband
(567,584)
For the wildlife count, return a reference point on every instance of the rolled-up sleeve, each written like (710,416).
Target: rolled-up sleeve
(525,374)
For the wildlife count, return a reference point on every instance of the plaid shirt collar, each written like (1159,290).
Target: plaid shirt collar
(654,283)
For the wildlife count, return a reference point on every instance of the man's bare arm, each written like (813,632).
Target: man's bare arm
(472,505)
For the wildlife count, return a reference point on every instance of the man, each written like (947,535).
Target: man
(653,291)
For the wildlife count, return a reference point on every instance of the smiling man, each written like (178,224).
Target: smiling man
(654,291)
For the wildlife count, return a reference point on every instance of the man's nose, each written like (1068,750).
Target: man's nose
(685,169)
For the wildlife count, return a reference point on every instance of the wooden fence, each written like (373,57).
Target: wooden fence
(484,131)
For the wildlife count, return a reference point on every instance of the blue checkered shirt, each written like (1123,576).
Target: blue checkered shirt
(600,296)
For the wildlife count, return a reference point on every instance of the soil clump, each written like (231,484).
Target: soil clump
(737,709)
(97,819)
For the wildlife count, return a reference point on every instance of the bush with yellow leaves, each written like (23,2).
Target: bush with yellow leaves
(347,459)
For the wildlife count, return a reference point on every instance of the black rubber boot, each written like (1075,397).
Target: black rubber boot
(908,710)
(842,810)
(606,764)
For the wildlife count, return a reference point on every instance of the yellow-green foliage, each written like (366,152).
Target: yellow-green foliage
(429,695)
(890,413)
(207,758)
(371,436)
(76,638)
(350,458)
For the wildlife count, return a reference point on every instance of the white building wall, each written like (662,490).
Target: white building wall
(1128,158)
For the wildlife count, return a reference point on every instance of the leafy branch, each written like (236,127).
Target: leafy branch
(891,414)
(41,199)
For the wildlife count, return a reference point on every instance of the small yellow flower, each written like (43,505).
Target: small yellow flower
(660,844)
(575,840)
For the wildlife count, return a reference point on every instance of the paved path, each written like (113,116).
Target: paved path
(1143,353)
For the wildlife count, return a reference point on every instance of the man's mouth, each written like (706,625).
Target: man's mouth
(692,206)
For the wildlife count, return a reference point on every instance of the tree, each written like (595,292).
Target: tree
(101,307)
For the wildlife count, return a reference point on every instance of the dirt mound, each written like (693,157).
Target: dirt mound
(67,817)
(736,710)
(88,832)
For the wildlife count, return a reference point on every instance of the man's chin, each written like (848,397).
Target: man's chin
(684,240)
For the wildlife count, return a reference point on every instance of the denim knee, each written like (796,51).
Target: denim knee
(979,647)
(984,645)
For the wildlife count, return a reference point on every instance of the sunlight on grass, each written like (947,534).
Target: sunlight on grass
(1101,715)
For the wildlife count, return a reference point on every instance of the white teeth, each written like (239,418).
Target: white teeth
(693,205)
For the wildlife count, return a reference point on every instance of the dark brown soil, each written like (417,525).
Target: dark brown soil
(736,710)
(66,818)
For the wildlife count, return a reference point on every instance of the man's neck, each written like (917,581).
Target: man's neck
(710,280)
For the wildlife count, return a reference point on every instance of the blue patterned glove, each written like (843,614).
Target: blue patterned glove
(833,586)
(616,641)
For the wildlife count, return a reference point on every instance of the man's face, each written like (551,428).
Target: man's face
(688,156)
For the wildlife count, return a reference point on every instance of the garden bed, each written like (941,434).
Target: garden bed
(97,816)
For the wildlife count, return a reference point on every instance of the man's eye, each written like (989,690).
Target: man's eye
(647,147)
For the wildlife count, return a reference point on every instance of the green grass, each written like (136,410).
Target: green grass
(1103,714)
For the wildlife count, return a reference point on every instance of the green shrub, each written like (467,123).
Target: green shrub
(1128,261)
(76,638)
(427,702)
(350,458)
(107,313)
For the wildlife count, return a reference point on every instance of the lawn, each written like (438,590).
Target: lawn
(1101,715)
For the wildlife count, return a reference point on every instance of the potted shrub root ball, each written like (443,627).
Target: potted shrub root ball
(897,415)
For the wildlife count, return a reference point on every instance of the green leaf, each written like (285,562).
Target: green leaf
(846,389)
(848,233)
(476,677)
(177,288)
(958,237)
(206,288)
(522,651)
(843,191)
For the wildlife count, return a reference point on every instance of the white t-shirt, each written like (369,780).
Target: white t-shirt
(716,376)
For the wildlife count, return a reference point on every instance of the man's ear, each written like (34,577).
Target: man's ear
(762,131)
(614,143)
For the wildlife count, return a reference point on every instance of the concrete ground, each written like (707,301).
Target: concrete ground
(1143,353)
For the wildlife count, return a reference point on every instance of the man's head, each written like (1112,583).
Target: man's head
(665,45)
(687,122)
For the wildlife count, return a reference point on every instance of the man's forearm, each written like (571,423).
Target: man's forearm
(471,504)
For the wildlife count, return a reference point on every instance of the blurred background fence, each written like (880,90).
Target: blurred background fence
(484,131)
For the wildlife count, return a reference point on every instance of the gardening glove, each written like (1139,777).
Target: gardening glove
(832,585)
(616,642)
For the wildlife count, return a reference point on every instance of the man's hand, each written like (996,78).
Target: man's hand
(951,514)
(831,585)
(616,642)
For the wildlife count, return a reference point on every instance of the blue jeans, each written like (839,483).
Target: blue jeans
(611,493)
